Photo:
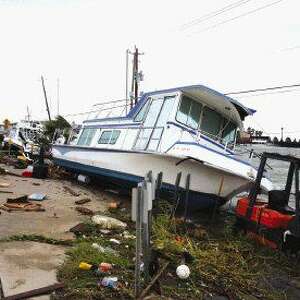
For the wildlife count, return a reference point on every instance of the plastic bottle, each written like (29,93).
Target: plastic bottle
(111,282)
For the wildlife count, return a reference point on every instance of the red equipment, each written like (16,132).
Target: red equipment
(273,223)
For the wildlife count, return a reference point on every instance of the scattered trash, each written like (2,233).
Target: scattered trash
(108,222)
(71,191)
(36,183)
(83,178)
(84,211)
(105,249)
(28,172)
(127,235)
(80,228)
(104,267)
(24,206)
(85,266)
(2,207)
(83,201)
(105,231)
(37,197)
(114,205)
(111,282)
(114,241)
(21,199)
(183,271)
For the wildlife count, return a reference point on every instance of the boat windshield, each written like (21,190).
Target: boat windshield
(229,132)
(197,116)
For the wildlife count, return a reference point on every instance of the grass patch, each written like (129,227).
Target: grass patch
(224,262)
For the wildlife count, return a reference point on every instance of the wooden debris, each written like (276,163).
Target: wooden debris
(6,192)
(71,191)
(36,292)
(83,201)
(84,211)
(155,278)
(2,207)
(4,184)
(36,183)
(22,199)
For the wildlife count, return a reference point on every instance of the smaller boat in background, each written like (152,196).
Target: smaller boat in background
(23,136)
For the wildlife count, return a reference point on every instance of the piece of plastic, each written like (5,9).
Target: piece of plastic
(37,197)
(85,266)
(111,282)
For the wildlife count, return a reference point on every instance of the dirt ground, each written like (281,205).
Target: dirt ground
(28,265)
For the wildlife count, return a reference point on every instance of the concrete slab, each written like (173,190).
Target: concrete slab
(60,214)
(28,265)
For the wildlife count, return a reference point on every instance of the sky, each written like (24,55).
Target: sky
(83,43)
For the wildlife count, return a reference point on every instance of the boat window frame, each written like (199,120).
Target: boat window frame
(207,134)
(94,130)
(147,103)
(193,99)
(110,138)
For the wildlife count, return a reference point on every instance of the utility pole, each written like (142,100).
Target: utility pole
(136,77)
(45,96)
(282,133)
(28,114)
(57,95)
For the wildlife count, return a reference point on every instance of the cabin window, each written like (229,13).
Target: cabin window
(86,136)
(165,112)
(109,137)
(211,122)
(229,132)
(189,112)
(141,114)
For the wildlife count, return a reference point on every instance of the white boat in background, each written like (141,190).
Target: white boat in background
(191,129)
(23,136)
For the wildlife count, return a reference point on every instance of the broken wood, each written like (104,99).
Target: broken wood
(71,191)
(2,207)
(6,192)
(1,290)
(83,201)
(84,211)
(155,278)
(22,199)
(35,292)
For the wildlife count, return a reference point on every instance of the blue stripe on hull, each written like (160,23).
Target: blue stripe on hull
(197,200)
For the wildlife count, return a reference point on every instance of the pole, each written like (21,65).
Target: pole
(57,94)
(136,65)
(126,92)
(45,96)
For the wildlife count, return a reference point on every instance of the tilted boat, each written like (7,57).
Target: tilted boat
(191,129)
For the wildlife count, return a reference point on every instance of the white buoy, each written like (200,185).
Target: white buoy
(183,271)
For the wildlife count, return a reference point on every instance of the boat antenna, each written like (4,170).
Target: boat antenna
(45,96)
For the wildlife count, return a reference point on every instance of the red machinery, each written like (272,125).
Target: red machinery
(273,223)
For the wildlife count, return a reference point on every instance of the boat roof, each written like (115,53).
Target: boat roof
(199,91)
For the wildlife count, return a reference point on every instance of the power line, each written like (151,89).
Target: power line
(239,16)
(214,14)
(269,93)
(264,89)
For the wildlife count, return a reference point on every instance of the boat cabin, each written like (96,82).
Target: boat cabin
(161,119)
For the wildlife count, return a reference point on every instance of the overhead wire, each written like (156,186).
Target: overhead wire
(213,14)
(270,93)
(239,16)
(264,89)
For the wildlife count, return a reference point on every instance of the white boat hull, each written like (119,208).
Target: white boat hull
(132,166)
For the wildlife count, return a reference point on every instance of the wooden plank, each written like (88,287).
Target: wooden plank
(35,292)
